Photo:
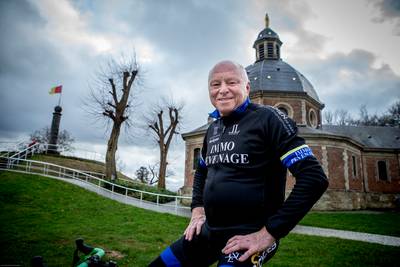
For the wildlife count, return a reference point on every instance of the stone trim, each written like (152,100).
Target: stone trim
(353,200)
(303,112)
(365,180)
(325,164)
(286,94)
(346,170)
(313,123)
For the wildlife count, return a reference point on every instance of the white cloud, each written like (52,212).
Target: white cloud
(348,25)
(66,25)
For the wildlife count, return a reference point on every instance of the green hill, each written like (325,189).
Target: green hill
(98,167)
(43,216)
(76,163)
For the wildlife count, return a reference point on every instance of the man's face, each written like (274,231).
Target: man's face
(227,88)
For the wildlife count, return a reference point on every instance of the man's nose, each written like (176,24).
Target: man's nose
(223,89)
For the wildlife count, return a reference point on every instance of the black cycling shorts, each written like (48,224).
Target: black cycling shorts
(205,249)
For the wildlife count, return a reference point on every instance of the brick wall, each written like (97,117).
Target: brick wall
(392,185)
(336,168)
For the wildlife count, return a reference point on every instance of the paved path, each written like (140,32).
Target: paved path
(185,212)
(365,237)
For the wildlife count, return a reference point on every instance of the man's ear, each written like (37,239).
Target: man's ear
(248,88)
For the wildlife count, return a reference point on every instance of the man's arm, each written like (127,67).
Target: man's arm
(198,214)
(295,155)
(199,181)
(311,183)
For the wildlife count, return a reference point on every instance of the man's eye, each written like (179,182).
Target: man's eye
(215,84)
(232,82)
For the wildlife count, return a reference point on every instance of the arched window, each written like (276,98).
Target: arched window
(382,170)
(284,110)
(196,158)
(353,158)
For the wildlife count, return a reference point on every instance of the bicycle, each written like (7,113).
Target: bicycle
(84,256)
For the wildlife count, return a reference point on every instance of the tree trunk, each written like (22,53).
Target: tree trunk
(163,168)
(112,146)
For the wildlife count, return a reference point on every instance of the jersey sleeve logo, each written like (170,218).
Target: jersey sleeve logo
(202,163)
(296,154)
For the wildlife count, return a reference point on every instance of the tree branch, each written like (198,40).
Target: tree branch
(174,123)
(111,104)
(114,91)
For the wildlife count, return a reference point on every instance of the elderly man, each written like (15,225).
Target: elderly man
(238,208)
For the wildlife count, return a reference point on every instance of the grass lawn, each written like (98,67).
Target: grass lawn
(43,216)
(384,223)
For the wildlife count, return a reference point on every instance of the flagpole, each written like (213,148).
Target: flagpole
(59,99)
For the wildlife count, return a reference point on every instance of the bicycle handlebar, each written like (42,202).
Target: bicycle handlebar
(91,255)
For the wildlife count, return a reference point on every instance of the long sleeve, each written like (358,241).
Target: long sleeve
(199,179)
(295,155)
(311,183)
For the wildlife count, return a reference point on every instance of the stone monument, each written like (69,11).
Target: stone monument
(55,126)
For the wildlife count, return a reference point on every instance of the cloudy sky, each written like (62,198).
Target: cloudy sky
(349,50)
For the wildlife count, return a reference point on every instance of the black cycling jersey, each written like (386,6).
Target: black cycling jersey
(241,181)
(241,177)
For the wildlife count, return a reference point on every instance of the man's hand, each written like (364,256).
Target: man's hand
(251,243)
(197,220)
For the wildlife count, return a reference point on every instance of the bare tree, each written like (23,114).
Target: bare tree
(147,175)
(110,102)
(392,118)
(64,140)
(163,129)
(342,117)
(142,174)
(328,117)
(153,175)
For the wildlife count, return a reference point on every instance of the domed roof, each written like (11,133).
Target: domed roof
(270,72)
(267,33)
(277,75)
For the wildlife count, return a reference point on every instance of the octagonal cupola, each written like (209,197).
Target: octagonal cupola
(267,44)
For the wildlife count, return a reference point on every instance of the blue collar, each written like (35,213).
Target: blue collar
(240,109)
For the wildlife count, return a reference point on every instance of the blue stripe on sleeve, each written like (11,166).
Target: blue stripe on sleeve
(169,258)
(202,163)
(297,155)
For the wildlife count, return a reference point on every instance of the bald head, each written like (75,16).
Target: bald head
(228,65)
(228,86)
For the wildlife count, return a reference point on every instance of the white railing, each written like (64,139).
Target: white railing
(23,154)
(57,171)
